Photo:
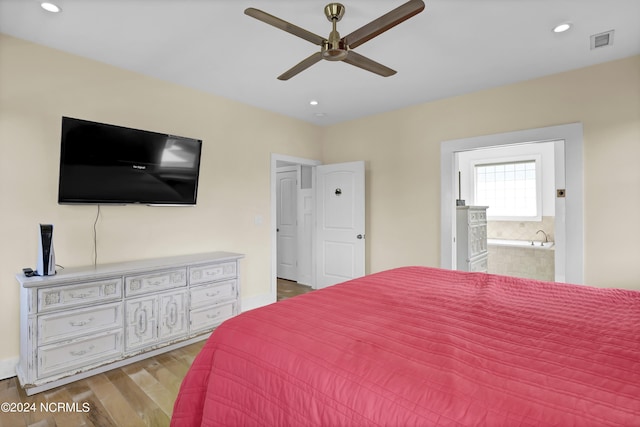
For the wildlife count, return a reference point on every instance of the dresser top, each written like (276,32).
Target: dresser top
(462,208)
(127,267)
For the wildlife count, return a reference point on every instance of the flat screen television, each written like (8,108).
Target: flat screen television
(107,164)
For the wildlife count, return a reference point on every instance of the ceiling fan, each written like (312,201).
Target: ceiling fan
(340,49)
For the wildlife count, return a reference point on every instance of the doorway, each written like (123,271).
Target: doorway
(287,222)
(291,245)
(568,171)
(330,215)
(517,184)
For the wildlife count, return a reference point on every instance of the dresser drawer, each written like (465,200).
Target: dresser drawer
(209,317)
(209,273)
(213,293)
(72,324)
(477,240)
(480,265)
(80,294)
(58,358)
(135,285)
(477,216)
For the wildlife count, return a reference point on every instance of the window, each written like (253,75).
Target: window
(510,189)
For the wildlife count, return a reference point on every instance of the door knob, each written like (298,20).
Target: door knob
(360,236)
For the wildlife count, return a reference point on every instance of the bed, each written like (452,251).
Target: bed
(418,346)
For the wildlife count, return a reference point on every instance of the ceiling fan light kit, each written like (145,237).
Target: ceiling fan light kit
(336,48)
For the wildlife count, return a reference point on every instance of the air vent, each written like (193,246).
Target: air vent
(602,39)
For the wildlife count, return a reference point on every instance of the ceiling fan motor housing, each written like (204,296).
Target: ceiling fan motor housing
(332,52)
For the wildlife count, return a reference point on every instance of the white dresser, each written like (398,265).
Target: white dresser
(471,238)
(83,321)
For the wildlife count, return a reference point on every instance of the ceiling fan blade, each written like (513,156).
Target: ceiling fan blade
(368,64)
(284,25)
(301,66)
(383,23)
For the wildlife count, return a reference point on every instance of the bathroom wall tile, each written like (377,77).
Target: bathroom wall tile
(521,230)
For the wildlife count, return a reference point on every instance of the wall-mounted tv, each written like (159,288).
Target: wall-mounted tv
(107,164)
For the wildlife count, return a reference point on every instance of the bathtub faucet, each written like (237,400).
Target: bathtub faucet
(546,238)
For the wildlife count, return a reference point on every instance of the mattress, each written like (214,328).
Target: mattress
(425,347)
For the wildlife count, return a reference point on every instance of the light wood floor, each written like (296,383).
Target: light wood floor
(140,394)
(288,289)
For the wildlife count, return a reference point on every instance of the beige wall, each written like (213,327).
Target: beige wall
(39,85)
(402,153)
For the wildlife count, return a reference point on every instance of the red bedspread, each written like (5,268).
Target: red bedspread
(422,346)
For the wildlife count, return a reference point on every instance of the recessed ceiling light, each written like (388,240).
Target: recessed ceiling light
(50,7)
(313,102)
(562,27)
(321,114)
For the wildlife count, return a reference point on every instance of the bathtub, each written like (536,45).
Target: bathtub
(521,243)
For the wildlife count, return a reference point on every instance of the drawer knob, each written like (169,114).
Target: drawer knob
(81,295)
(81,322)
(82,352)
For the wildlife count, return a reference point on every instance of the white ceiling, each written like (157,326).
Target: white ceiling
(451,48)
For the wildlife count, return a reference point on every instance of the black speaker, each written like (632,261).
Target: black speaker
(46,265)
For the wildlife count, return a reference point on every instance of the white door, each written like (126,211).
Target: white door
(286,218)
(340,223)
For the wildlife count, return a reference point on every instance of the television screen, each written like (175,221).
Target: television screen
(102,163)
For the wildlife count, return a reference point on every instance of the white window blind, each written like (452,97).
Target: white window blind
(510,190)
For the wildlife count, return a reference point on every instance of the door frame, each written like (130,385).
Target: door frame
(278,160)
(572,135)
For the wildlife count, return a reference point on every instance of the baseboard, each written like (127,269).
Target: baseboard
(8,367)
(257,301)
